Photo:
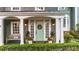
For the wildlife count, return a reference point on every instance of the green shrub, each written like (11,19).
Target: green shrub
(68,37)
(75,34)
(41,47)
(77,26)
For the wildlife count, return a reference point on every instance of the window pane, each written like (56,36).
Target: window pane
(15,26)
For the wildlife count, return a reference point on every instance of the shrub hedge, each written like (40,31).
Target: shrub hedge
(68,37)
(75,34)
(41,47)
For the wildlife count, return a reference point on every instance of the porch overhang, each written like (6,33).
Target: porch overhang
(32,13)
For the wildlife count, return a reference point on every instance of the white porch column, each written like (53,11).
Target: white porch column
(1,32)
(61,32)
(76,18)
(21,31)
(22,27)
(57,30)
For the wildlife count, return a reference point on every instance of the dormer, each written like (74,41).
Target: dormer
(15,8)
(39,8)
(61,8)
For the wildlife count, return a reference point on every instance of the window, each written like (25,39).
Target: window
(32,28)
(61,8)
(15,27)
(47,28)
(39,8)
(15,9)
(64,22)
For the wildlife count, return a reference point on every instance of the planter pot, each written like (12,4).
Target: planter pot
(49,41)
(30,42)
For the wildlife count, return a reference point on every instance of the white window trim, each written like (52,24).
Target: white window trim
(39,9)
(16,10)
(12,27)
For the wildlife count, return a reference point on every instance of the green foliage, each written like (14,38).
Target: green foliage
(28,36)
(75,34)
(52,33)
(27,33)
(77,26)
(52,37)
(41,47)
(68,37)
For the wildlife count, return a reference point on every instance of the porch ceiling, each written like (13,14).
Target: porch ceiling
(31,13)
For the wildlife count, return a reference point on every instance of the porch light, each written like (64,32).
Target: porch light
(25,24)
(53,24)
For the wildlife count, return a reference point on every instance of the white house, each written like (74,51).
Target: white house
(39,21)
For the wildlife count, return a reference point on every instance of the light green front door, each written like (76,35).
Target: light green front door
(39,31)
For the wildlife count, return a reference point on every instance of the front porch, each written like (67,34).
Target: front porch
(31,24)
(39,27)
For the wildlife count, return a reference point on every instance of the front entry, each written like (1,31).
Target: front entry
(39,30)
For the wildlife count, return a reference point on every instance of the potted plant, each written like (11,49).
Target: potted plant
(51,38)
(28,38)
